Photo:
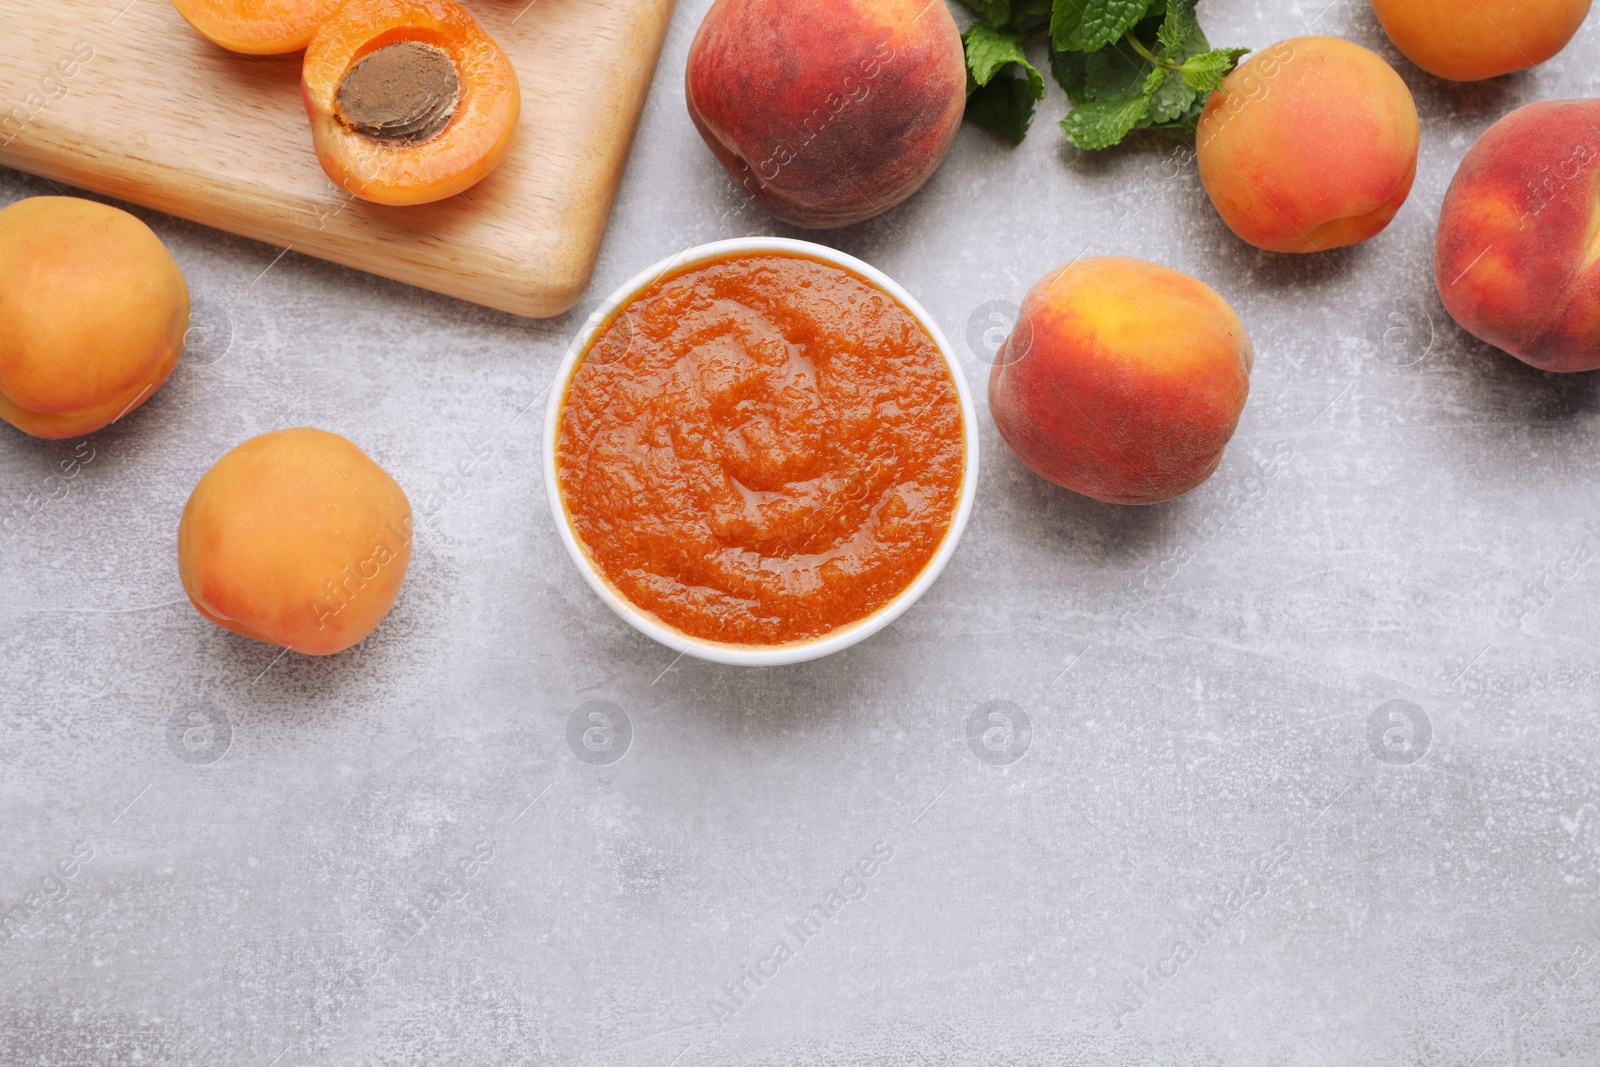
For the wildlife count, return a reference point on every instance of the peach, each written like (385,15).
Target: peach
(295,538)
(1310,145)
(1123,380)
(1481,39)
(1517,257)
(93,310)
(827,112)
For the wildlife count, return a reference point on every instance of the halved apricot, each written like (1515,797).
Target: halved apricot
(409,100)
(257,27)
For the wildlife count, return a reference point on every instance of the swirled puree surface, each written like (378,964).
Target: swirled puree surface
(761,449)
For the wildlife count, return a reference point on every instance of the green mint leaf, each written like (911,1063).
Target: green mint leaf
(1113,73)
(1171,100)
(1178,26)
(1069,71)
(1189,121)
(1124,64)
(994,12)
(1065,18)
(1177,35)
(1204,72)
(1009,14)
(1183,125)
(1028,15)
(1088,25)
(1005,105)
(989,49)
(1177,103)
(1104,123)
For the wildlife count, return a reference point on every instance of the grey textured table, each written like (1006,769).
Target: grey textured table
(1309,770)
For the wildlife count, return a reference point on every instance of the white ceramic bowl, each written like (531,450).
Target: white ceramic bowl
(756,655)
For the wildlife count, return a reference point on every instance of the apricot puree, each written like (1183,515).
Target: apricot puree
(761,449)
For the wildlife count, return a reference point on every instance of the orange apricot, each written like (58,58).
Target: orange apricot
(295,538)
(1310,145)
(257,27)
(1482,38)
(93,310)
(409,100)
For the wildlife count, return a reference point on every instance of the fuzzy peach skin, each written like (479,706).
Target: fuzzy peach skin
(827,112)
(1123,380)
(1517,257)
(93,310)
(1466,41)
(1310,145)
(295,538)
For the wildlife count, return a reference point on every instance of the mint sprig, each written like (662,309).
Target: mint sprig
(989,49)
(1125,65)
(1004,104)
(1090,25)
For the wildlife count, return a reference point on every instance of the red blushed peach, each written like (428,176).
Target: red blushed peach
(828,112)
(1310,145)
(1483,38)
(295,538)
(93,310)
(1123,380)
(1517,258)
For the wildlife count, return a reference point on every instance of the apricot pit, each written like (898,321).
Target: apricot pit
(403,92)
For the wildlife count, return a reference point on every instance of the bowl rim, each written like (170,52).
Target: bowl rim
(797,651)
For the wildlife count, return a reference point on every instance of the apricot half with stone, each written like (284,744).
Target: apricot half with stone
(295,538)
(257,27)
(409,100)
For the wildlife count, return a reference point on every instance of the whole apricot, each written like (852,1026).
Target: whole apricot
(1481,39)
(827,112)
(1310,145)
(1123,380)
(295,538)
(93,310)
(1515,259)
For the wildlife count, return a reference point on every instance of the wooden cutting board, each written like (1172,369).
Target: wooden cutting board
(128,100)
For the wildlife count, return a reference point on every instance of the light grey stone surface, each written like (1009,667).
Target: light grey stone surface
(1207,682)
